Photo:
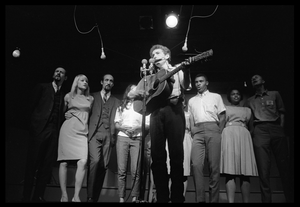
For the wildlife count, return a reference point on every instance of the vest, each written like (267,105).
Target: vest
(55,110)
(105,115)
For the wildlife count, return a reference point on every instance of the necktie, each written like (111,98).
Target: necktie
(104,98)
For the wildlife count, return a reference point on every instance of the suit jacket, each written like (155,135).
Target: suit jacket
(42,105)
(95,115)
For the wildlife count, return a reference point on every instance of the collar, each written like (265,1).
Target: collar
(203,94)
(102,93)
(56,87)
(169,67)
(265,92)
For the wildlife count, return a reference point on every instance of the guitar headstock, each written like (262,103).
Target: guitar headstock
(201,56)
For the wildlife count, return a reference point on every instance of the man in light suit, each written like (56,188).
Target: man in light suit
(46,119)
(101,136)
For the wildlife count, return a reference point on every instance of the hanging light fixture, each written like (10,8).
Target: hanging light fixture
(172,20)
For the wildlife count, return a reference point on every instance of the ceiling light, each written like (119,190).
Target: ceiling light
(172,20)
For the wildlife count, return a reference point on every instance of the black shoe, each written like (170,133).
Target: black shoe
(90,200)
(25,200)
(39,200)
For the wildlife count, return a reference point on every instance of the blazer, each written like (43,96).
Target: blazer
(96,112)
(42,105)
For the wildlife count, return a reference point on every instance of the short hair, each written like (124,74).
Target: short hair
(106,75)
(201,74)
(62,68)
(163,48)
(234,88)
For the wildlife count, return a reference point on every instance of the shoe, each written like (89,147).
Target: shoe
(63,199)
(39,200)
(73,200)
(25,200)
(90,200)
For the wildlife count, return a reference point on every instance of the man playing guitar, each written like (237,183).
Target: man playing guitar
(167,122)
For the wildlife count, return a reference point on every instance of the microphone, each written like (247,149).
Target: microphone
(151,61)
(151,67)
(184,48)
(102,54)
(144,62)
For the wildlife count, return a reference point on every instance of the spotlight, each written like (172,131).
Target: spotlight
(172,20)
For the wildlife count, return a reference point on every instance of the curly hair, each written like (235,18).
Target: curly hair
(163,48)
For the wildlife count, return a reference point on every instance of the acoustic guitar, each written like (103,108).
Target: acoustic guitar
(159,86)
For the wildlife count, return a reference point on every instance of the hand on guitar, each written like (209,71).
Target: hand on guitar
(188,61)
(137,94)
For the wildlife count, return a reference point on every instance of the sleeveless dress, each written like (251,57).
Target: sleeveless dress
(73,140)
(237,155)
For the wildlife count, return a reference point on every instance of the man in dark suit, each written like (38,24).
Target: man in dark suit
(46,119)
(101,135)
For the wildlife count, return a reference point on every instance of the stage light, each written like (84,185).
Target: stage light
(172,20)
(16,53)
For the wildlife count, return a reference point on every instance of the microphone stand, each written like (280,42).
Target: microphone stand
(142,171)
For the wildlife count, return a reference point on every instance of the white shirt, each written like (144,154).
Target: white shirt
(107,95)
(56,87)
(206,107)
(179,80)
(129,117)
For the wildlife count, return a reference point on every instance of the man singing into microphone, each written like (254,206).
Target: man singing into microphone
(167,122)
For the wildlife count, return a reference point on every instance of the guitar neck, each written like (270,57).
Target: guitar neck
(171,73)
(181,65)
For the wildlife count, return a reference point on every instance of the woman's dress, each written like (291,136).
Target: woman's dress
(237,155)
(73,140)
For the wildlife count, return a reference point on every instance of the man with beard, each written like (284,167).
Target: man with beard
(101,137)
(46,119)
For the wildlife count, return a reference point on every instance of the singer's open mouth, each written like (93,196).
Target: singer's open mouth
(157,60)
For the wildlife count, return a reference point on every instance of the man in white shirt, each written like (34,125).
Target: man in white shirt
(207,113)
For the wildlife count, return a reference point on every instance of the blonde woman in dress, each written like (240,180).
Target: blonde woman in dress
(73,141)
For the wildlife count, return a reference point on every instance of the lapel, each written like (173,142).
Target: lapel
(98,100)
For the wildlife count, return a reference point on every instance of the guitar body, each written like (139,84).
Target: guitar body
(159,85)
(157,96)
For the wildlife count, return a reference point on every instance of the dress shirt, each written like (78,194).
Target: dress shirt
(179,82)
(206,107)
(56,87)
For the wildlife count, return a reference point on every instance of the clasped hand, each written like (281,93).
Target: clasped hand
(129,131)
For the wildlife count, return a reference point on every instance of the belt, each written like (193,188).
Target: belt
(235,124)
(277,122)
(203,123)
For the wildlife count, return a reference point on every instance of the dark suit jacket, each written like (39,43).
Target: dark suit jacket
(96,112)
(41,107)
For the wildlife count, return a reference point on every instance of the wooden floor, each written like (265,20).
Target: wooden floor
(16,149)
